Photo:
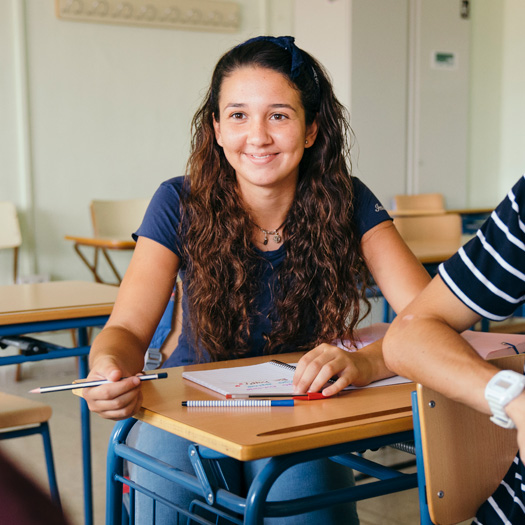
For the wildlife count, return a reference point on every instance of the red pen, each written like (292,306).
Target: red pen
(309,396)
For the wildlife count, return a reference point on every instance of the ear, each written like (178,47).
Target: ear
(311,134)
(217,128)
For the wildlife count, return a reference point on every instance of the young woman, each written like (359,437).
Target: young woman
(275,243)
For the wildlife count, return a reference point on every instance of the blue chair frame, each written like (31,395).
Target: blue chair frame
(219,502)
(424,516)
(57,352)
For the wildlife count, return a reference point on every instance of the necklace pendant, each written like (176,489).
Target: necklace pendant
(277,238)
(265,242)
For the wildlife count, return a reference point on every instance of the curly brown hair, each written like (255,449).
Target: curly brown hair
(323,280)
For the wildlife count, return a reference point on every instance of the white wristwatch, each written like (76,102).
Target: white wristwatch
(500,391)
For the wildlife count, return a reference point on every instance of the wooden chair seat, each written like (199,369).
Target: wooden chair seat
(16,411)
(20,417)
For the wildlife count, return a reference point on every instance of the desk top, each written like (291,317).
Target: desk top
(472,211)
(253,433)
(28,303)
(103,242)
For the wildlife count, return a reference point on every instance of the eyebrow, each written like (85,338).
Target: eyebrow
(273,106)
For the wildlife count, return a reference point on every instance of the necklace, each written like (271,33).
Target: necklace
(276,236)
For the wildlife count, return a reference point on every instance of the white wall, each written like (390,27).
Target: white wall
(497,135)
(109,110)
(322,27)
(108,107)
(485,103)
(513,96)
(379,95)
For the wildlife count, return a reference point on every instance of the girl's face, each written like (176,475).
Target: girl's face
(262,128)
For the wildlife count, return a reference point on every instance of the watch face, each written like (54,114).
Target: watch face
(503,384)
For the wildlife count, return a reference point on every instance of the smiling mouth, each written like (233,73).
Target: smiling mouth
(268,155)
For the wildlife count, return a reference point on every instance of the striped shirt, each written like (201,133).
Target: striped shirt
(488,276)
(488,273)
(506,506)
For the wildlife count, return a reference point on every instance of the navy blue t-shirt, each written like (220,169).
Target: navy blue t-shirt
(161,224)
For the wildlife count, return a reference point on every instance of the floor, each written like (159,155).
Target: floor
(397,509)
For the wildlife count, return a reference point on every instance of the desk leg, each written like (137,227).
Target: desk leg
(83,371)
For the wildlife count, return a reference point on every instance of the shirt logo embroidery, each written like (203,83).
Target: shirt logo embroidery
(379,208)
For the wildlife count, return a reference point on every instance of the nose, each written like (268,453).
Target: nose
(258,133)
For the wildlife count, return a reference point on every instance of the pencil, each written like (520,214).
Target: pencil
(309,396)
(239,403)
(89,384)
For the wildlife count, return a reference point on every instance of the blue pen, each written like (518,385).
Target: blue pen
(240,403)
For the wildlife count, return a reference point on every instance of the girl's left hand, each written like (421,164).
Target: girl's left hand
(327,361)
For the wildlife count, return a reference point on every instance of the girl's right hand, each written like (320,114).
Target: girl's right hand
(117,400)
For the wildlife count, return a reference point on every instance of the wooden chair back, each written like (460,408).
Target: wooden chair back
(465,454)
(445,227)
(421,201)
(10,235)
(117,219)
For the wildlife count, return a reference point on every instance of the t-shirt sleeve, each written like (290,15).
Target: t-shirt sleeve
(368,211)
(488,273)
(162,218)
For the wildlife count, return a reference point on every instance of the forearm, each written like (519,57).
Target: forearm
(121,347)
(429,351)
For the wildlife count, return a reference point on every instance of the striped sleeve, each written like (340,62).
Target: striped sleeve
(488,273)
(506,505)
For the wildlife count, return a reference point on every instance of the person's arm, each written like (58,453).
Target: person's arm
(118,351)
(424,344)
(400,277)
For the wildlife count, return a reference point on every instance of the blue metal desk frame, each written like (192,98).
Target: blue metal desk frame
(81,351)
(206,483)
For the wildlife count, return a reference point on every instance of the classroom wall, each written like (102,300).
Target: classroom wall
(497,111)
(512,138)
(100,111)
(107,115)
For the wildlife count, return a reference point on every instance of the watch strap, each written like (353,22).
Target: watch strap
(505,386)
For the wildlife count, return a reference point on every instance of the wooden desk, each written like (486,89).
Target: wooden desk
(44,307)
(102,244)
(56,300)
(472,211)
(460,211)
(245,434)
(353,421)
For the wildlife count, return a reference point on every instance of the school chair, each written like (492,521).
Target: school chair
(21,417)
(116,219)
(461,455)
(425,202)
(10,236)
(113,222)
(432,238)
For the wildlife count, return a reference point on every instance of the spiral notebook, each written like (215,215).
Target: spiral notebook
(272,377)
(275,377)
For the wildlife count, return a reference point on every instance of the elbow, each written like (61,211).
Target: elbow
(394,345)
